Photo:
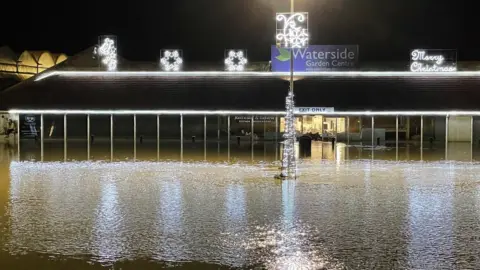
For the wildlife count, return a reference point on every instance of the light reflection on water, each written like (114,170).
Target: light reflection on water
(338,214)
(221,151)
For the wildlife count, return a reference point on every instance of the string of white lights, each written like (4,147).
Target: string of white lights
(406,74)
(242,112)
(289,165)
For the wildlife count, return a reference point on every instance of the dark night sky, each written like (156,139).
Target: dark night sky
(384,29)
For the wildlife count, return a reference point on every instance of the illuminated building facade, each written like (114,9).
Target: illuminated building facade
(259,91)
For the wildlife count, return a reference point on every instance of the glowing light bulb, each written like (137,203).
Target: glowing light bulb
(171,60)
(235,61)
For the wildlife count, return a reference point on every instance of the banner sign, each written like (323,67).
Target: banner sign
(433,60)
(28,126)
(315,58)
(313,110)
(256,119)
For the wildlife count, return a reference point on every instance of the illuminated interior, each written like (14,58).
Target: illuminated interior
(317,124)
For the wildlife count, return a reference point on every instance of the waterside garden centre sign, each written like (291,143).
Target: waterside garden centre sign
(433,60)
(315,58)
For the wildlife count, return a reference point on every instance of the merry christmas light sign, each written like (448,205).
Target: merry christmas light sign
(433,61)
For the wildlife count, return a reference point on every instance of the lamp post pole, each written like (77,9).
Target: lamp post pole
(292,10)
(293,138)
(291,35)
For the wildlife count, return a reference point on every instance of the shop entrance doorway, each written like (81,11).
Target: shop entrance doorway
(325,127)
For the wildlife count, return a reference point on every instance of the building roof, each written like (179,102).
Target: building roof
(249,91)
(26,64)
(7,56)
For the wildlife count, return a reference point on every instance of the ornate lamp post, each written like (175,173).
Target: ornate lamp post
(292,33)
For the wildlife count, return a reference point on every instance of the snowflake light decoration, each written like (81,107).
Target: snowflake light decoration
(171,60)
(108,52)
(235,61)
(292,30)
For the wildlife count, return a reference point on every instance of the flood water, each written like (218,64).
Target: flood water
(350,208)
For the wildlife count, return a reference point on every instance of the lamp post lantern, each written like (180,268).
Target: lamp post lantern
(292,33)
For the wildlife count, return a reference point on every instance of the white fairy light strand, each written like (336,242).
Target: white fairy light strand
(379,74)
(240,112)
(292,34)
(235,61)
(289,166)
(108,52)
(171,61)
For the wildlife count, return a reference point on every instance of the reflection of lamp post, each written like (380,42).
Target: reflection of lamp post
(292,32)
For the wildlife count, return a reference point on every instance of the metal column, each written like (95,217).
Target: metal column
(18,137)
(348,131)
(276,129)
(111,137)
(373,137)
(373,131)
(446,137)
(471,139)
(407,135)
(218,128)
(41,137)
(264,132)
(205,137)
(228,138)
(396,137)
(134,137)
(322,130)
(336,129)
(252,129)
(251,134)
(181,137)
(276,137)
(421,137)
(360,123)
(65,137)
(158,137)
(88,137)
(264,128)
